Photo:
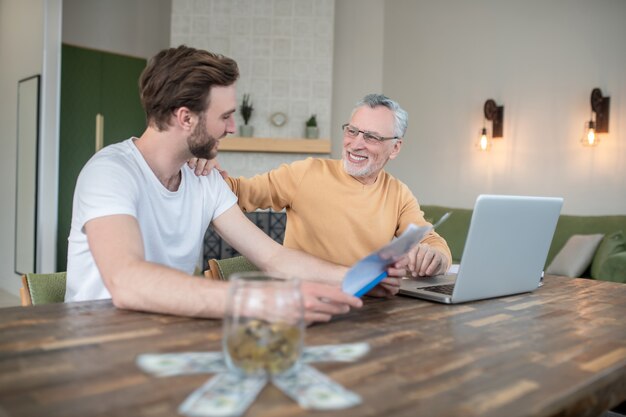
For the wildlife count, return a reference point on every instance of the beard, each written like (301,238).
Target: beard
(201,144)
(357,171)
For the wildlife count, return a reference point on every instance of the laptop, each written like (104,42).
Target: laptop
(505,251)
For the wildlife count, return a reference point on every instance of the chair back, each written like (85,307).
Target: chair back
(221,269)
(43,288)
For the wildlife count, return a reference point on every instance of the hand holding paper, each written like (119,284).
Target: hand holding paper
(372,269)
(422,260)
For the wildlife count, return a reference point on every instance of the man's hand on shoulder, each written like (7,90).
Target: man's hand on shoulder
(202,167)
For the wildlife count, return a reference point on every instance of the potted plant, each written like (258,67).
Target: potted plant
(246,112)
(312,132)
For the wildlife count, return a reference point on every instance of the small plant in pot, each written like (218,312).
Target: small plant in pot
(312,131)
(246,113)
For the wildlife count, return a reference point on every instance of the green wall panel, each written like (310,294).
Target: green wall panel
(123,115)
(92,82)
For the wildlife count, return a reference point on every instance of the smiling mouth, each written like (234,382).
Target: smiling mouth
(356,158)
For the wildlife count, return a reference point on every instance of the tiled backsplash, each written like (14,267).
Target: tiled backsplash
(284,49)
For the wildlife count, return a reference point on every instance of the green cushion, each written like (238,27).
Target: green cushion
(583,225)
(611,244)
(614,268)
(46,288)
(237,264)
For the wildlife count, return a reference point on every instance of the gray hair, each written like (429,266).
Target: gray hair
(400,116)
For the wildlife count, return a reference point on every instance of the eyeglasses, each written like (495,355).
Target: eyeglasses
(353,132)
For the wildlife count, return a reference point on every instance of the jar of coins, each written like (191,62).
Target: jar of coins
(264,323)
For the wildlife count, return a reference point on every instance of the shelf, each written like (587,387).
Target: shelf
(283,145)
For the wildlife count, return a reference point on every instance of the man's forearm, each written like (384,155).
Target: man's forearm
(302,265)
(268,255)
(150,287)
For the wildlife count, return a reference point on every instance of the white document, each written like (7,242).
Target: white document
(372,269)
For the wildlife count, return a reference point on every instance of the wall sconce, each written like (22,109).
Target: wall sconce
(600,107)
(495,114)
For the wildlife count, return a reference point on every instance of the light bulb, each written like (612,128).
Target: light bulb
(483,143)
(589,136)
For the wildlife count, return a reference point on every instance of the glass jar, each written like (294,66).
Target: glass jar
(264,323)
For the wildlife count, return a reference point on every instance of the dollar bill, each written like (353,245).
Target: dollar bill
(313,390)
(348,352)
(170,364)
(224,395)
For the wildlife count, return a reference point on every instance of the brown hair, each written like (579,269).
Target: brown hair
(182,77)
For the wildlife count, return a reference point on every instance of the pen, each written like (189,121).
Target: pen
(442,219)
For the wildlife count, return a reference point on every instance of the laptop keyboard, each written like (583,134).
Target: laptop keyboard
(442,289)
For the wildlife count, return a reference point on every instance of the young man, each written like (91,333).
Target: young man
(341,210)
(140,214)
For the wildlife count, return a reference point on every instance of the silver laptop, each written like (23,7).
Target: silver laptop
(505,251)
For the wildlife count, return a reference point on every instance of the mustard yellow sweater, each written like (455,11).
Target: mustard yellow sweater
(329,213)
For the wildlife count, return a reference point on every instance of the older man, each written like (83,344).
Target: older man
(341,210)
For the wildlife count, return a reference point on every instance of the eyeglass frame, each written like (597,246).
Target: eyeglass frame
(367,136)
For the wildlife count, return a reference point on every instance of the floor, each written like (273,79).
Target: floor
(8,299)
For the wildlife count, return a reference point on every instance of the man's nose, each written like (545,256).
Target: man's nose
(230,125)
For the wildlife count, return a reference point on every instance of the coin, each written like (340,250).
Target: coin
(258,345)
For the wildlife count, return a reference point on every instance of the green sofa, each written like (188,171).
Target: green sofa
(455,229)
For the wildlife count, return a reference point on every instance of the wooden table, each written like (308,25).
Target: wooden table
(560,351)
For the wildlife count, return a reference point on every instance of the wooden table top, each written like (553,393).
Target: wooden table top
(560,351)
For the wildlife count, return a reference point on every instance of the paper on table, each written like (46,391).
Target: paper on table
(372,269)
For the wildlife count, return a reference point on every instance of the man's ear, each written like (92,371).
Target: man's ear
(396,149)
(184,118)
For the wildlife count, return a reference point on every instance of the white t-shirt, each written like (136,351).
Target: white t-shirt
(117,180)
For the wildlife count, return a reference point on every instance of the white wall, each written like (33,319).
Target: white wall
(539,59)
(358,59)
(138,28)
(26,28)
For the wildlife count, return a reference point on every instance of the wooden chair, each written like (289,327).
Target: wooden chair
(221,269)
(42,288)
